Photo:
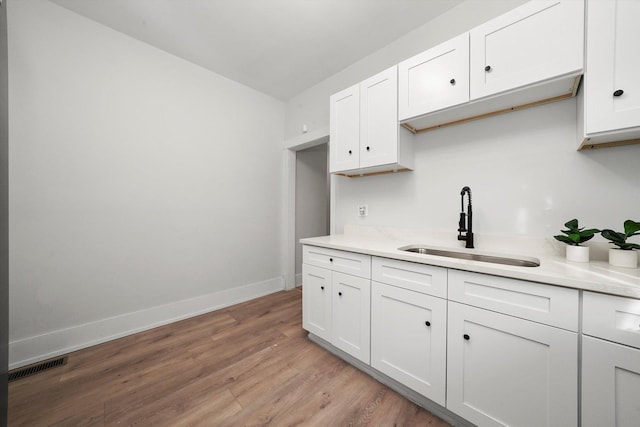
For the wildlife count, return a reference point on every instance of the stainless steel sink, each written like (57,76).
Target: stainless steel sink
(517,262)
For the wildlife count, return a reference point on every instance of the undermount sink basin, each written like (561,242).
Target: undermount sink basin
(517,262)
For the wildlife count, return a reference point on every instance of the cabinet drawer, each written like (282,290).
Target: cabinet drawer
(421,278)
(546,304)
(344,262)
(611,318)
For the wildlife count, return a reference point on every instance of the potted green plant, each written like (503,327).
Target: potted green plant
(624,255)
(574,236)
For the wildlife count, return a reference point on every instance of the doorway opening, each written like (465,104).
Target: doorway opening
(312,198)
(323,188)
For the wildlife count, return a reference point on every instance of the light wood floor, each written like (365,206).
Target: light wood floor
(250,364)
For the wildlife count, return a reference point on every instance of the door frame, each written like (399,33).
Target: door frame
(290,147)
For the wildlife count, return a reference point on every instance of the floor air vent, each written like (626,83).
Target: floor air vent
(38,367)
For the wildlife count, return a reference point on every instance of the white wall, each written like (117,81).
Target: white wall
(4,215)
(524,172)
(526,177)
(138,183)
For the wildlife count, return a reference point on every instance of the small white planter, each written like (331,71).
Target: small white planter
(578,253)
(620,258)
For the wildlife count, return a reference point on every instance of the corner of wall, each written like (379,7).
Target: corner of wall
(35,349)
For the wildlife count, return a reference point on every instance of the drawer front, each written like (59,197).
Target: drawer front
(421,278)
(550,305)
(611,318)
(342,261)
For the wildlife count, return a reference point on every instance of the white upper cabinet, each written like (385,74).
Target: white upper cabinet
(435,79)
(531,55)
(344,129)
(538,41)
(379,119)
(364,131)
(612,87)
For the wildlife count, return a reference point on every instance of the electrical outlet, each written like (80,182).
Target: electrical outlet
(363,210)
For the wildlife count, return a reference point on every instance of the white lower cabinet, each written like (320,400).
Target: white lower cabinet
(351,313)
(491,350)
(610,361)
(409,339)
(610,384)
(337,306)
(506,371)
(316,301)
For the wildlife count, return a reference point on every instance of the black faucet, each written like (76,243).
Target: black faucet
(466,225)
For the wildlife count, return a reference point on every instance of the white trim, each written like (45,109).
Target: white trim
(309,139)
(41,347)
(289,200)
(298,280)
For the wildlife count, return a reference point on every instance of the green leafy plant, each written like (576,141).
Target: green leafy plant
(574,235)
(631,228)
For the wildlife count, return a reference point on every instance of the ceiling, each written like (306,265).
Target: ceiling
(279,47)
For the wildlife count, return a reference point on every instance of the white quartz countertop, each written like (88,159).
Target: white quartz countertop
(597,276)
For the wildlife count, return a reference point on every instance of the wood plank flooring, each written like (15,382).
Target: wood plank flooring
(250,364)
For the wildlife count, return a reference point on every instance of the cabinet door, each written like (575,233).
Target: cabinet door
(344,130)
(435,79)
(537,41)
(379,119)
(316,301)
(610,384)
(351,308)
(613,64)
(502,370)
(409,339)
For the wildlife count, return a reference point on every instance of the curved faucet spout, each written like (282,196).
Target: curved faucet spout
(468,227)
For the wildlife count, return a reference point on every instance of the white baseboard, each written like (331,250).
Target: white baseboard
(298,279)
(52,344)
